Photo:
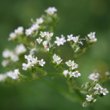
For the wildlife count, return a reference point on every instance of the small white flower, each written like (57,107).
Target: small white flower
(97,87)
(20,49)
(19,30)
(39,20)
(5,63)
(60,40)
(32,29)
(26,66)
(13,74)
(72,38)
(6,53)
(39,40)
(92,37)
(56,59)
(75,74)
(42,62)
(65,73)
(94,76)
(3,77)
(46,45)
(28,32)
(30,59)
(51,10)
(71,64)
(16,33)
(89,98)
(12,36)
(104,91)
(46,35)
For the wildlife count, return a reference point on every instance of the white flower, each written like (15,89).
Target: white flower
(89,98)
(30,59)
(51,10)
(26,66)
(75,74)
(46,35)
(6,53)
(94,76)
(71,64)
(104,91)
(42,62)
(19,30)
(20,49)
(60,40)
(92,37)
(12,36)
(28,32)
(56,59)
(72,38)
(46,45)
(39,40)
(3,77)
(65,73)
(97,87)
(39,20)
(13,74)
(32,29)
(5,63)
(16,33)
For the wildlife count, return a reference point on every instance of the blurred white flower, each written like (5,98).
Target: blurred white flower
(92,37)
(51,10)
(56,59)
(94,76)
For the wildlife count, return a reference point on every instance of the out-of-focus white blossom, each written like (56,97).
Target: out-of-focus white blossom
(3,77)
(51,10)
(92,37)
(16,33)
(39,20)
(20,49)
(94,76)
(13,74)
(89,98)
(72,38)
(56,59)
(71,64)
(41,62)
(39,40)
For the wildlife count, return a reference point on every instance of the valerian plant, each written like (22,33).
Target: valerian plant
(37,50)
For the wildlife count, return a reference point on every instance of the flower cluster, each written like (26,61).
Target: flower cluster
(72,72)
(32,61)
(10,74)
(38,47)
(94,89)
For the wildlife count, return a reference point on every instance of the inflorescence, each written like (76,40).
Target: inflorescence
(40,38)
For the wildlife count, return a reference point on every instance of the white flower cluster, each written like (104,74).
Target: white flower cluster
(71,72)
(45,38)
(72,38)
(91,37)
(35,27)
(100,90)
(18,32)
(11,74)
(62,40)
(56,59)
(12,55)
(94,76)
(32,61)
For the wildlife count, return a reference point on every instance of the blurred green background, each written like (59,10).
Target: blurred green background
(76,16)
